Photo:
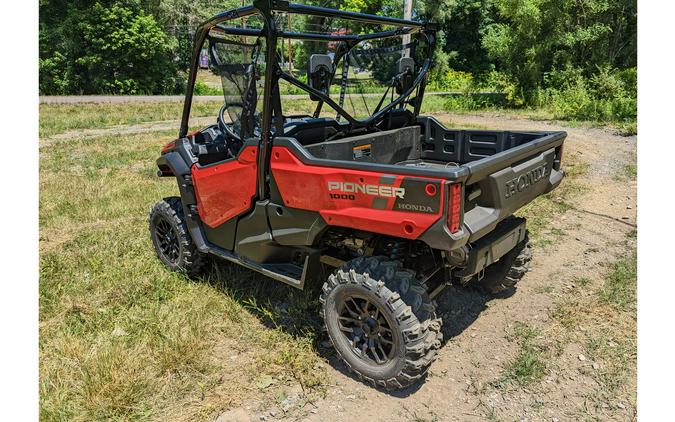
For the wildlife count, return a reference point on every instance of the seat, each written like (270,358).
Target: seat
(397,119)
(310,130)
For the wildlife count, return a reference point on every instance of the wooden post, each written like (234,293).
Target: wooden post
(407,14)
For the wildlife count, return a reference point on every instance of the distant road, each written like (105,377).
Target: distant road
(117,99)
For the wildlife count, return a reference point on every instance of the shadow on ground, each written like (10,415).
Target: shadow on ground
(296,312)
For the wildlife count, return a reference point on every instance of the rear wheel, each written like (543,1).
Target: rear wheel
(507,272)
(381,321)
(170,237)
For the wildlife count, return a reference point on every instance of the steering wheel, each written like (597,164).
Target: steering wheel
(226,128)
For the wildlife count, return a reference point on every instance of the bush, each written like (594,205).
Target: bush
(126,52)
(54,75)
(454,80)
(107,49)
(203,89)
(606,96)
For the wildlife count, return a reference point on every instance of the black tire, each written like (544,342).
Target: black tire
(171,239)
(403,306)
(504,274)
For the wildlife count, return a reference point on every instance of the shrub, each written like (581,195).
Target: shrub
(203,89)
(54,74)
(454,80)
(107,49)
(126,52)
(608,95)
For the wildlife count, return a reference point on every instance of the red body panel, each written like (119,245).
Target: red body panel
(306,187)
(225,190)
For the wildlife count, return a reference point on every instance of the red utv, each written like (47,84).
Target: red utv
(382,206)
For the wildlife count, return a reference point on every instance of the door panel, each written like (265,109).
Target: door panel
(225,190)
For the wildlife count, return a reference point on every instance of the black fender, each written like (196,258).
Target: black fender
(177,165)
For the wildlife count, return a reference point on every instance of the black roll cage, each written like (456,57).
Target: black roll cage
(273,72)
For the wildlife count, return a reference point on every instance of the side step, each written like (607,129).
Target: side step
(288,273)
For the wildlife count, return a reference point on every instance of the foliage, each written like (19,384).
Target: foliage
(607,96)
(454,80)
(530,38)
(576,59)
(109,48)
(202,88)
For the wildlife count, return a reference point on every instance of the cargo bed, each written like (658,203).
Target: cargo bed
(501,170)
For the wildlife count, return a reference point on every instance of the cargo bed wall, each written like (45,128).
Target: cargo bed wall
(387,147)
(464,146)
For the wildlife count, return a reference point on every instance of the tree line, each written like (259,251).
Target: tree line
(532,50)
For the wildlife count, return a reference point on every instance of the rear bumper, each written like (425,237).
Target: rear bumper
(491,247)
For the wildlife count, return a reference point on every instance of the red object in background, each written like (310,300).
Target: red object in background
(332,45)
(306,187)
(225,190)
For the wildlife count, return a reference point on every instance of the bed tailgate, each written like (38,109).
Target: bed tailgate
(502,183)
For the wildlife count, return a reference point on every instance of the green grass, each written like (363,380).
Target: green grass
(529,366)
(581,281)
(55,119)
(619,289)
(630,171)
(60,118)
(121,338)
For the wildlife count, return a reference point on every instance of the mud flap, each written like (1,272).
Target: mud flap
(489,249)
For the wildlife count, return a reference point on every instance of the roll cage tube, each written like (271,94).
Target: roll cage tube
(273,73)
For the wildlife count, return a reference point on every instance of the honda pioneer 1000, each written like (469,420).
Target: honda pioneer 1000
(382,206)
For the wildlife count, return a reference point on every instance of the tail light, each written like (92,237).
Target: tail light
(454,207)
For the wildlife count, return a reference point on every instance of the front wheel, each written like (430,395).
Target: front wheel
(381,321)
(171,239)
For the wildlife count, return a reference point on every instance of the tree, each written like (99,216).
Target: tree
(105,47)
(530,38)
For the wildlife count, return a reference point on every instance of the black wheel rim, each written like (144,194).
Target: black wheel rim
(367,329)
(167,241)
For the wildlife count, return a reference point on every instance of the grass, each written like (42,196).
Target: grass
(630,171)
(55,119)
(529,365)
(620,286)
(610,320)
(121,338)
(60,118)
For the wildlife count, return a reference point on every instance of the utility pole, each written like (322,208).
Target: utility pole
(407,14)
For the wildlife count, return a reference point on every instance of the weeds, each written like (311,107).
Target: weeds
(609,315)
(619,289)
(630,171)
(530,364)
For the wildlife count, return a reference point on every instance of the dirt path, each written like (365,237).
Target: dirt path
(461,383)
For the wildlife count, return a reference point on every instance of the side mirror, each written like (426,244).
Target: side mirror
(320,74)
(405,68)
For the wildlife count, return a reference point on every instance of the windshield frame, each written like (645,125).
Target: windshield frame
(265,8)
